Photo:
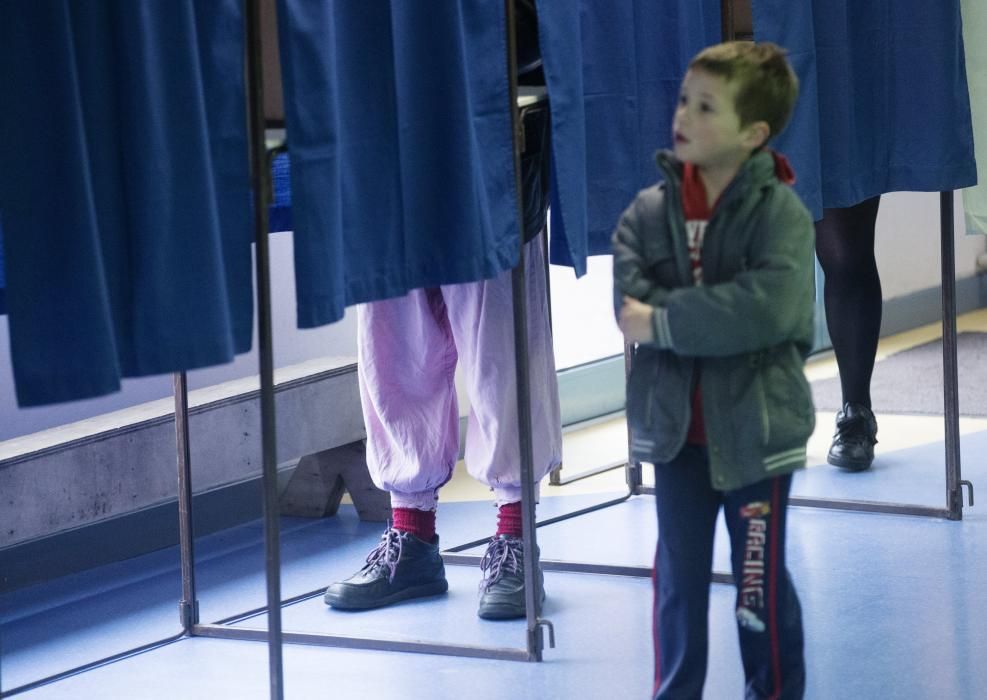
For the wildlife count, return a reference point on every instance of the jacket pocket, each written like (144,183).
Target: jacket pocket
(788,400)
(657,403)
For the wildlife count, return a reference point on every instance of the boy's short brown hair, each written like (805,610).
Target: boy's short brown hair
(766,84)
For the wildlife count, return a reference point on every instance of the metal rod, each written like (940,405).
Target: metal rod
(189,605)
(330,640)
(555,475)
(531,587)
(727,29)
(593,471)
(261,186)
(635,474)
(950,371)
(868,506)
(254,612)
(556,519)
(582,567)
(856,506)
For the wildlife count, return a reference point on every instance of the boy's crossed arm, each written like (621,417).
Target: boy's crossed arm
(758,308)
(635,294)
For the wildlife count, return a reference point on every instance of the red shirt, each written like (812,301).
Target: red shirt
(697,214)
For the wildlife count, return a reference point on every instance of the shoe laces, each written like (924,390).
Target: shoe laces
(503,553)
(854,430)
(387,553)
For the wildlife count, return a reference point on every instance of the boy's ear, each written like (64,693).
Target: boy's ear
(756,134)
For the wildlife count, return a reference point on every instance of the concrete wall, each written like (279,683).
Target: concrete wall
(122,462)
(908,243)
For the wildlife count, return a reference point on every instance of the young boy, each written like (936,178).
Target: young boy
(713,274)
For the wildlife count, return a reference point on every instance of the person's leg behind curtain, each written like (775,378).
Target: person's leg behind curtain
(845,247)
(853,299)
(482,318)
(406,366)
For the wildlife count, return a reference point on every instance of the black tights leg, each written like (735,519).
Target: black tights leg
(845,247)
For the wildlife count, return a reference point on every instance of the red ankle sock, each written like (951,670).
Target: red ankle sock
(509,520)
(420,523)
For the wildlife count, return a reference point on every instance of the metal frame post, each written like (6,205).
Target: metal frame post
(950,362)
(523,379)
(188,607)
(261,175)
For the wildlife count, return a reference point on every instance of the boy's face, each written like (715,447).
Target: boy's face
(706,128)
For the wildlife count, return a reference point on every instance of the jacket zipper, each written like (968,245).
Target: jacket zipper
(755,361)
(765,420)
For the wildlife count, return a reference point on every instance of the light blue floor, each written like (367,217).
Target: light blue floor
(894,607)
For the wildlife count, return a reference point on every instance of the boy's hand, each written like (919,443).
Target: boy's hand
(635,321)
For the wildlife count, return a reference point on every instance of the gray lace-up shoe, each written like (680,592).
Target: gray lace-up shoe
(400,567)
(502,587)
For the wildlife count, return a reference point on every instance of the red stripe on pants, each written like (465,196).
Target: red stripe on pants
(654,625)
(773,592)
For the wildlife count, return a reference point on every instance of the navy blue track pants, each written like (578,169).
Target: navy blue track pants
(769,618)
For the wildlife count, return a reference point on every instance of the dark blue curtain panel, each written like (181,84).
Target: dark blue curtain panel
(884,104)
(613,71)
(124,190)
(399,133)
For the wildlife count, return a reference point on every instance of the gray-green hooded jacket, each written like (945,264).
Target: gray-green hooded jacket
(749,325)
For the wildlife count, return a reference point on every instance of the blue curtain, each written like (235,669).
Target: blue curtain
(400,142)
(124,191)
(613,71)
(884,104)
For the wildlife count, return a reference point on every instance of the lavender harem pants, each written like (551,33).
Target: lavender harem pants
(408,349)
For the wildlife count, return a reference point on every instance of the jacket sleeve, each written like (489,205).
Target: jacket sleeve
(630,264)
(768,302)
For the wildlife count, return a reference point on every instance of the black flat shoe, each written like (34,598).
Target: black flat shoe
(854,440)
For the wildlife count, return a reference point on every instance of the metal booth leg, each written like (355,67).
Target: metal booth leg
(535,642)
(261,186)
(260,178)
(188,608)
(950,374)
